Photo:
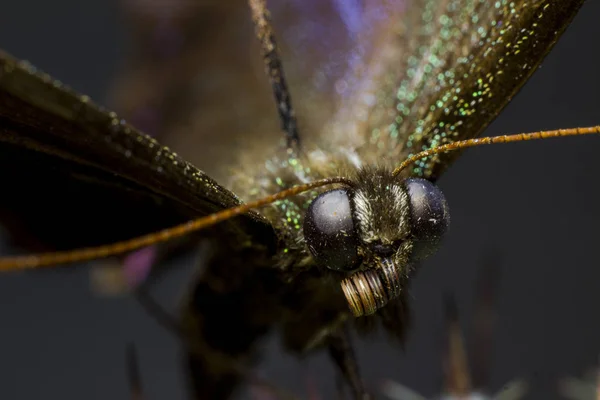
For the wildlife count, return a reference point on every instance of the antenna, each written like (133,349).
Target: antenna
(519,137)
(90,253)
(274,69)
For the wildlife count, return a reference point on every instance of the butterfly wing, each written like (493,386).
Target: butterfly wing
(365,74)
(386,77)
(74,174)
(434,72)
(209,99)
(210,86)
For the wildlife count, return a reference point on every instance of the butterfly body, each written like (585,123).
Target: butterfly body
(288,291)
(262,273)
(366,148)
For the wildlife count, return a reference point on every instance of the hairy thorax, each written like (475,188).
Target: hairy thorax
(313,302)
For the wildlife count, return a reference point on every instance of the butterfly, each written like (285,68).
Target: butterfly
(139,179)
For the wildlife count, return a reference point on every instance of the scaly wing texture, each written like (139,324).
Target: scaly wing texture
(441,71)
(74,174)
(208,97)
(387,78)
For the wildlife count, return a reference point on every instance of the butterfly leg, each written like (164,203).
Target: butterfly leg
(342,352)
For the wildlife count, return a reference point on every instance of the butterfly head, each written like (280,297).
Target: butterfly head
(374,231)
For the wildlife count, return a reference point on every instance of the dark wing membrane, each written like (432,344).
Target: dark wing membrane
(73,174)
(209,84)
(209,99)
(440,71)
(386,77)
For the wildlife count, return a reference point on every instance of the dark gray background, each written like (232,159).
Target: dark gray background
(535,202)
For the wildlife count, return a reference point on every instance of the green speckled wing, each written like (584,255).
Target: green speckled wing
(73,174)
(386,77)
(434,71)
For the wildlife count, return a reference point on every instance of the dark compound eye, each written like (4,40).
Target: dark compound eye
(429,216)
(329,231)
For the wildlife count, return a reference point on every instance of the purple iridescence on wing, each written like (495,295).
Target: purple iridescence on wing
(350,12)
(336,37)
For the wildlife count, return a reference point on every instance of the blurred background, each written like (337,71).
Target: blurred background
(533,205)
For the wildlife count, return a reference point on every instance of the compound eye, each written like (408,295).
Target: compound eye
(330,232)
(430,216)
